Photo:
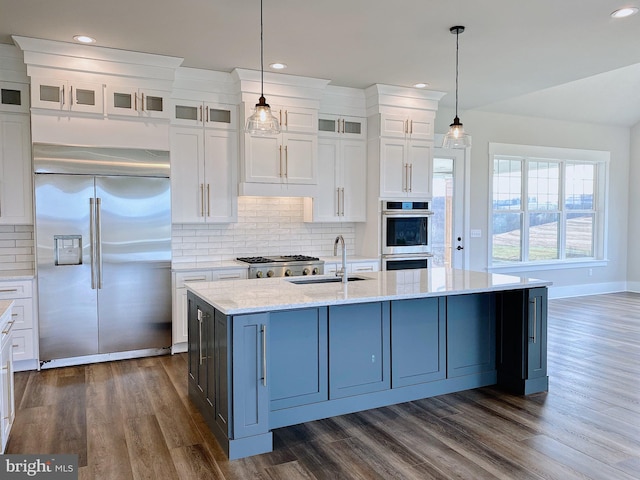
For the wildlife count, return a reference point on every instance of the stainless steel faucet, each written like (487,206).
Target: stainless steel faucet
(343,272)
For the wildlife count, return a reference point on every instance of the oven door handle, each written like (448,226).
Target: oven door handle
(407,213)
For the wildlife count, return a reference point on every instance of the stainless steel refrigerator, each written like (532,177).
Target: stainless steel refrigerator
(103,250)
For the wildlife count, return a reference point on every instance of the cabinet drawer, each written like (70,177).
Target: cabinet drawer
(364,267)
(235,274)
(12,290)
(22,313)
(23,345)
(181,278)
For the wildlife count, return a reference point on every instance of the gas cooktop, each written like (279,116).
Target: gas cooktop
(283,266)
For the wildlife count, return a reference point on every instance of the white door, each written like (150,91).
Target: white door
(448,204)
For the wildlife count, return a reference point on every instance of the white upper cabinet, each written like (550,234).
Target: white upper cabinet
(203,175)
(405,168)
(341,126)
(16,189)
(414,125)
(137,102)
(204,114)
(342,177)
(63,95)
(14,97)
(296,119)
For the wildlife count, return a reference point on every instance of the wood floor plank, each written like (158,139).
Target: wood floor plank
(148,453)
(194,462)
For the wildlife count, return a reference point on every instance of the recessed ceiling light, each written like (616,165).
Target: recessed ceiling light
(625,12)
(84,39)
(278,66)
(421,85)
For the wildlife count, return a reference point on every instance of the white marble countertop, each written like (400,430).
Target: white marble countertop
(350,259)
(5,312)
(270,294)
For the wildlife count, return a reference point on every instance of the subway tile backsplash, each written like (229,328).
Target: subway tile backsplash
(266,226)
(16,248)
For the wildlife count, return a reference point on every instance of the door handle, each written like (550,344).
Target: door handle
(459,248)
(99,241)
(92,242)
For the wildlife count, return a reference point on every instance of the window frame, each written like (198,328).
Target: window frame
(563,156)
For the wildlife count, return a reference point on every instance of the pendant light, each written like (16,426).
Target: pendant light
(456,138)
(262,122)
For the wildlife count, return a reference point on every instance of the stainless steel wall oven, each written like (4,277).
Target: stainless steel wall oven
(406,235)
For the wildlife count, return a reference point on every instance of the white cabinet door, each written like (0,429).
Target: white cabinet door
(220,116)
(392,125)
(180,332)
(14,97)
(421,126)
(263,159)
(300,158)
(326,205)
(16,189)
(63,95)
(7,409)
(220,178)
(353,161)
(393,170)
(187,174)
(420,160)
(341,126)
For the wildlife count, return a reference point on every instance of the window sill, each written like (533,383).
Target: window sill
(535,266)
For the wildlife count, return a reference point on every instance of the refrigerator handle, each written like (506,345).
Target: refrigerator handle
(99,242)
(92,241)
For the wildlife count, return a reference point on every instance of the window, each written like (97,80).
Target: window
(547,204)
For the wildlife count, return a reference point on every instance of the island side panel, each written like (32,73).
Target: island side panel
(522,340)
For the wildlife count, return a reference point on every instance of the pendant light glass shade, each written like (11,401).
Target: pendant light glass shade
(262,122)
(455,137)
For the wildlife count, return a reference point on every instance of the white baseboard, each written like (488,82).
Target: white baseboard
(590,289)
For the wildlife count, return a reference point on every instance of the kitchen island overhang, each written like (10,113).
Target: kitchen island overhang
(267,353)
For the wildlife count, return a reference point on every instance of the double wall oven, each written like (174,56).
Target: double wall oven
(406,235)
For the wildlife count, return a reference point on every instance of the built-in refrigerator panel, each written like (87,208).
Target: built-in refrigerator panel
(134,300)
(68,315)
(103,250)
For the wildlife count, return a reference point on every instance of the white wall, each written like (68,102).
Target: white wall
(486,127)
(633,264)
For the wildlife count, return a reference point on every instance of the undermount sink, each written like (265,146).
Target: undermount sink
(307,281)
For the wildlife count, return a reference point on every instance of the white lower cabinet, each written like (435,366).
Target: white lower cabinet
(330,268)
(24,333)
(180,328)
(7,403)
(342,182)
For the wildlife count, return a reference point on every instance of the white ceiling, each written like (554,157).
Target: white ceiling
(565,59)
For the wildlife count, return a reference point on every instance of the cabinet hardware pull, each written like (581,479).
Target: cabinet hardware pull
(342,201)
(280,112)
(263,330)
(208,200)
(207,109)
(286,118)
(202,199)
(9,325)
(71,96)
(535,319)
(410,184)
(142,102)
(62,88)
(8,290)
(135,102)
(228,277)
(338,201)
(280,162)
(286,161)
(200,112)
(200,335)
(411,129)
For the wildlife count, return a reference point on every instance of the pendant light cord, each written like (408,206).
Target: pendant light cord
(457,35)
(262,54)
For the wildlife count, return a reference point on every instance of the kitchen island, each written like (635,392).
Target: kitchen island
(268,353)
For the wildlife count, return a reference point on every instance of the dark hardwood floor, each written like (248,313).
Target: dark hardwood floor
(132,419)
